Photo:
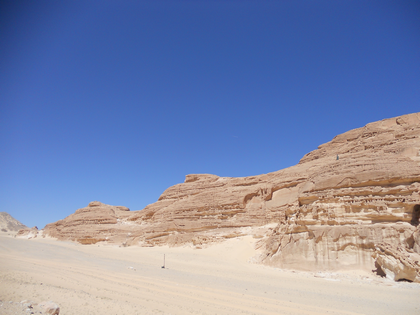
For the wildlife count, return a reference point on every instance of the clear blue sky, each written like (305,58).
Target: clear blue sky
(118,100)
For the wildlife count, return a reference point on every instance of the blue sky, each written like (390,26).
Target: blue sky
(118,100)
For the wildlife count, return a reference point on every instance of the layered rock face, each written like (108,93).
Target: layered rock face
(95,223)
(353,202)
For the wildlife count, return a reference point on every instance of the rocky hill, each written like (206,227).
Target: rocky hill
(352,203)
(10,224)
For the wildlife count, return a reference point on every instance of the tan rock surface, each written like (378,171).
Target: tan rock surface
(94,223)
(328,212)
(398,262)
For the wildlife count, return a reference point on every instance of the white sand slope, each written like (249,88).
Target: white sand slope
(215,280)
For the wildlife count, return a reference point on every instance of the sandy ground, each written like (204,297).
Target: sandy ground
(216,280)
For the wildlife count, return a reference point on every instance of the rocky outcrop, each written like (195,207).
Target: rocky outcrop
(28,233)
(94,223)
(368,194)
(397,262)
(330,211)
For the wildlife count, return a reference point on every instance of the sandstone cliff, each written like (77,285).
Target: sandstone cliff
(97,222)
(352,203)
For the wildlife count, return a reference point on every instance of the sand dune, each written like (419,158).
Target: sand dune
(220,279)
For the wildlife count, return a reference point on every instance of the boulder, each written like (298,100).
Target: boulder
(397,263)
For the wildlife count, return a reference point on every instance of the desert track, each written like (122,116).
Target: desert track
(214,280)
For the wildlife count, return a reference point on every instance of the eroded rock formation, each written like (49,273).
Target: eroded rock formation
(338,207)
(95,223)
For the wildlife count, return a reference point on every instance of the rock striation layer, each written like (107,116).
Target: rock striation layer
(95,223)
(352,203)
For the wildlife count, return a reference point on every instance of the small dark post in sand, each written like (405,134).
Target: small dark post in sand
(163,261)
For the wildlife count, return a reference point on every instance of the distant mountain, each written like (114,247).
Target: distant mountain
(10,224)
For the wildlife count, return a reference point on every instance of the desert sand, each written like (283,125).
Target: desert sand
(218,279)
